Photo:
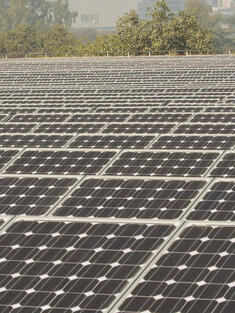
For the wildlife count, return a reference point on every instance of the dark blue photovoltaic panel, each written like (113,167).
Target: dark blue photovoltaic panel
(62,162)
(31,195)
(195,274)
(74,267)
(131,198)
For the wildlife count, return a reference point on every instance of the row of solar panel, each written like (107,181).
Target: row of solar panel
(209,142)
(84,267)
(123,117)
(125,163)
(113,197)
(104,245)
(14,109)
(118,128)
(55,100)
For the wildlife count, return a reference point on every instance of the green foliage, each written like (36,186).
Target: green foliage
(56,41)
(130,34)
(40,14)
(162,31)
(221,26)
(20,41)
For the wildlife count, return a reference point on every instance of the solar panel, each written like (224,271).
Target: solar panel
(69,128)
(217,204)
(214,118)
(226,167)
(27,141)
(203,128)
(126,109)
(56,110)
(183,109)
(117,189)
(160,163)
(220,109)
(59,266)
(31,195)
(138,128)
(112,141)
(2,117)
(195,274)
(95,117)
(173,117)
(39,118)
(16,127)
(194,142)
(6,155)
(15,110)
(131,198)
(61,162)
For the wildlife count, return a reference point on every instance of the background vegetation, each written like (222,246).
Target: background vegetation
(29,27)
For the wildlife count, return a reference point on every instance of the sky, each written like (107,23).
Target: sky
(108,10)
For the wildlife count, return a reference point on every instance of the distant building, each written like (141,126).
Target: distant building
(224,6)
(90,20)
(142,7)
(175,5)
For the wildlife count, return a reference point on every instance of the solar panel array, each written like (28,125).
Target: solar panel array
(117,191)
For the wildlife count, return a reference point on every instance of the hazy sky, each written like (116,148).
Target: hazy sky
(108,10)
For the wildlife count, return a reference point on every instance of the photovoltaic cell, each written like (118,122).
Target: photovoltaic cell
(69,128)
(183,109)
(162,118)
(6,156)
(61,162)
(221,109)
(31,195)
(226,167)
(217,204)
(112,142)
(16,127)
(15,110)
(57,110)
(194,142)
(126,109)
(30,141)
(95,117)
(195,274)
(72,267)
(162,163)
(92,263)
(2,117)
(131,198)
(214,118)
(39,118)
(204,128)
(138,128)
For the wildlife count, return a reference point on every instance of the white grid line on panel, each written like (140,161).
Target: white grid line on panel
(160,253)
(151,262)
(221,156)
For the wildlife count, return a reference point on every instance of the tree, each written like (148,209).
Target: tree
(218,24)
(41,14)
(158,18)
(162,31)
(129,31)
(198,7)
(13,13)
(56,42)
(20,41)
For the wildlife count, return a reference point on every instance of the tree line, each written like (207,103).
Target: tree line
(29,27)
